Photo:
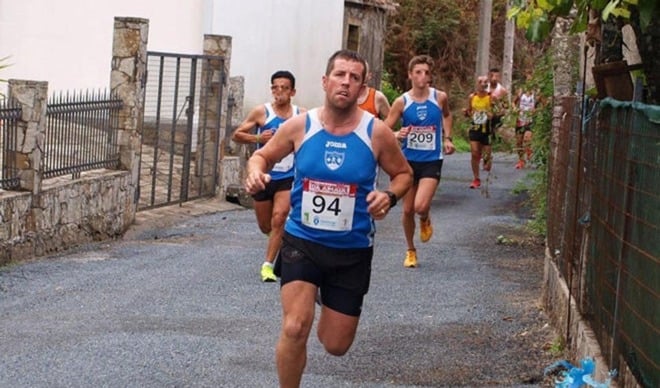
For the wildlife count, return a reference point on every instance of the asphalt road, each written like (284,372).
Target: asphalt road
(181,305)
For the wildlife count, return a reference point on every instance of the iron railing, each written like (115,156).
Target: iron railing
(9,114)
(81,133)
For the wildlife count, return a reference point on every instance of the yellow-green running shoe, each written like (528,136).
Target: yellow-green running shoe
(267,274)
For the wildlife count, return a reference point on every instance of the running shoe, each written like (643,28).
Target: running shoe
(267,274)
(426,230)
(520,164)
(411,259)
(475,183)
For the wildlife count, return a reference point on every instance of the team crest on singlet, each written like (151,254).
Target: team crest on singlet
(334,159)
(422,112)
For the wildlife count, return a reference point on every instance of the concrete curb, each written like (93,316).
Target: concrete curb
(583,339)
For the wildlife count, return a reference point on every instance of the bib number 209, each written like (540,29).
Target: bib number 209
(422,138)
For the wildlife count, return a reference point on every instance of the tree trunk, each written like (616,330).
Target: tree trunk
(507,59)
(483,44)
(566,51)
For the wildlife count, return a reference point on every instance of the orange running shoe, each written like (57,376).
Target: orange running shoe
(411,259)
(475,184)
(520,164)
(425,230)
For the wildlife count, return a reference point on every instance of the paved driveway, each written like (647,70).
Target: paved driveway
(180,304)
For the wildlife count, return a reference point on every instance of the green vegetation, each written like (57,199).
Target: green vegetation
(557,347)
(389,90)
(537,17)
(542,83)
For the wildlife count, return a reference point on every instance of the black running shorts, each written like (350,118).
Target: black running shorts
(273,187)
(342,274)
(479,136)
(426,170)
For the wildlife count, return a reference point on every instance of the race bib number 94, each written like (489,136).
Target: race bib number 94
(422,138)
(328,205)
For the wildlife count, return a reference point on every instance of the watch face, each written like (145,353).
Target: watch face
(392,198)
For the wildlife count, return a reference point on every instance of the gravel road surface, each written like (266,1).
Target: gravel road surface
(178,303)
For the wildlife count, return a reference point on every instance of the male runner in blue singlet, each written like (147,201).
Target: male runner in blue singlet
(425,135)
(329,235)
(271,205)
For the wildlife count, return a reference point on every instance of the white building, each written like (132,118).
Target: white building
(69,42)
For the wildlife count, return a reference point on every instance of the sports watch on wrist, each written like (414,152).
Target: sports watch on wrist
(392,198)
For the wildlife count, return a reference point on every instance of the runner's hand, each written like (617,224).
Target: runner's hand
(379,204)
(256,182)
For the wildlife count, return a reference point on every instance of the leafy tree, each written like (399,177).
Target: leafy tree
(448,32)
(537,18)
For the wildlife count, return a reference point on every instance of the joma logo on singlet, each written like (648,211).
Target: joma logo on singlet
(335,144)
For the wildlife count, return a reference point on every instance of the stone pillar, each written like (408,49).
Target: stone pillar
(218,46)
(127,82)
(26,153)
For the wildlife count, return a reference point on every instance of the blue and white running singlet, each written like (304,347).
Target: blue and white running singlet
(284,168)
(424,142)
(333,175)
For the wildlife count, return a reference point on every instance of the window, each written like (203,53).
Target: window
(353,39)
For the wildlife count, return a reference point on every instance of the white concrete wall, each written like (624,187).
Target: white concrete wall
(69,42)
(271,35)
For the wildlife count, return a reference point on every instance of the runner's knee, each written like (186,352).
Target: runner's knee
(296,329)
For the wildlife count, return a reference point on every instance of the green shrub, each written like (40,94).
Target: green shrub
(542,83)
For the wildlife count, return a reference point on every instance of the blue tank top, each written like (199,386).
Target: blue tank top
(333,175)
(284,168)
(424,142)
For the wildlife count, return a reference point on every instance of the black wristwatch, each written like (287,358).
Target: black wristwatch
(392,198)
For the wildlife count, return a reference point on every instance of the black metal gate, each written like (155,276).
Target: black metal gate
(181,128)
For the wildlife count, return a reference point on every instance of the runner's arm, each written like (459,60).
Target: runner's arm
(280,145)
(244,132)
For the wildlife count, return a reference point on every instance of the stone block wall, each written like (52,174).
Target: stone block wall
(46,217)
(93,208)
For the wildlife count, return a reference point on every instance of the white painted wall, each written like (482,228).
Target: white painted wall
(271,35)
(69,42)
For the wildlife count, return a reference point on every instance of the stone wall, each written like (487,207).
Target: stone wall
(98,206)
(44,217)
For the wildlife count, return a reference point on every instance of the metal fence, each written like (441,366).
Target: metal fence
(181,128)
(9,115)
(81,133)
(604,226)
